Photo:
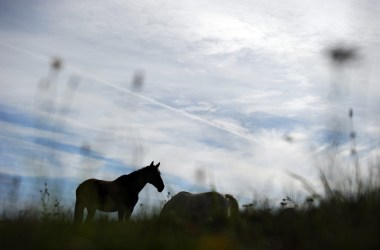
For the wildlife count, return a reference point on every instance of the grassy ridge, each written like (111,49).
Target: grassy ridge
(336,223)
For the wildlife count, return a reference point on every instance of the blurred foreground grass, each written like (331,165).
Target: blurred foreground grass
(338,222)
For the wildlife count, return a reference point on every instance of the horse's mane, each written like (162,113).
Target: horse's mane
(134,173)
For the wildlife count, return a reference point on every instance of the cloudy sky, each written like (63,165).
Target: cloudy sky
(231,95)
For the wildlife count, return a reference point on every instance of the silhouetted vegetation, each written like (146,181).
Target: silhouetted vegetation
(338,222)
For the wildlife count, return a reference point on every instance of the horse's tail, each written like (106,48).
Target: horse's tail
(233,206)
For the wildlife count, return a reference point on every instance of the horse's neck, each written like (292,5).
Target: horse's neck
(136,182)
(139,184)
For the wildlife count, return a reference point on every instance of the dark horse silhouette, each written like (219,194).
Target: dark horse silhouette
(120,195)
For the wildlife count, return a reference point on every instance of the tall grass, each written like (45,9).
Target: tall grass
(338,221)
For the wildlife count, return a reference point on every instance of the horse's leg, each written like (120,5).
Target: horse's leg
(121,215)
(129,209)
(128,213)
(90,214)
(78,212)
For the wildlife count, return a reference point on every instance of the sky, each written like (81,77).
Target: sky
(227,95)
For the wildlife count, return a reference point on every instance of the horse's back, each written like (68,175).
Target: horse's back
(211,204)
(93,189)
(86,186)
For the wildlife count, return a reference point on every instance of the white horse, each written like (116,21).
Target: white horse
(201,207)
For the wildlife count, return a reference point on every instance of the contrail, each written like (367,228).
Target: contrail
(26,52)
(163,105)
(127,91)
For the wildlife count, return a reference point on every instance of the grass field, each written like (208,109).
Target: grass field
(338,222)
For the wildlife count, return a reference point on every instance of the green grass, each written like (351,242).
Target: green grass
(336,223)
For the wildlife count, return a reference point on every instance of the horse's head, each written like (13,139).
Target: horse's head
(154,177)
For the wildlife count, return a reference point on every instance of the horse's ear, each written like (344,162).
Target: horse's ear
(152,164)
(158,165)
